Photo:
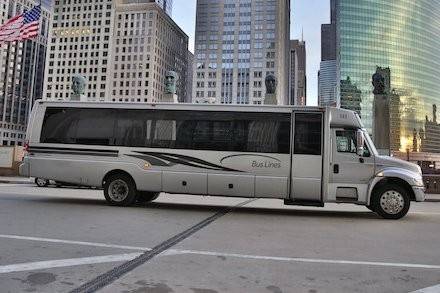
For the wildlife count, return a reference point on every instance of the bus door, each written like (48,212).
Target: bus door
(350,174)
(307,157)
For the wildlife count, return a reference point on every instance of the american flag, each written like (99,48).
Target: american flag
(21,27)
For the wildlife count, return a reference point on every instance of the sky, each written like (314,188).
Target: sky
(307,16)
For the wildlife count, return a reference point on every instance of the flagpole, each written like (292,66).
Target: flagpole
(34,73)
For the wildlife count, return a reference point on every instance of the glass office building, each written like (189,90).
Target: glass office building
(401,40)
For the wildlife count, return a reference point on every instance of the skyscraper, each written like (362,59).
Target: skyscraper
(21,74)
(403,36)
(327,77)
(123,48)
(189,78)
(238,43)
(327,84)
(80,45)
(298,80)
(145,45)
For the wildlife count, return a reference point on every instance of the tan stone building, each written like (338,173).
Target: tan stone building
(146,44)
(122,47)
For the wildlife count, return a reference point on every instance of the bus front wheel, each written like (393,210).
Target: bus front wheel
(391,201)
(120,190)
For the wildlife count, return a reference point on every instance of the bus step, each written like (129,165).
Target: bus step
(307,203)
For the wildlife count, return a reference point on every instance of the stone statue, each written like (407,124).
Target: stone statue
(271,84)
(171,79)
(78,85)
(415,141)
(378,83)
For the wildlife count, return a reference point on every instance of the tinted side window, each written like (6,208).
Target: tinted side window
(96,127)
(196,130)
(308,134)
(59,126)
(132,128)
(78,126)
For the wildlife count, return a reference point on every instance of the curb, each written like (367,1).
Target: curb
(14,182)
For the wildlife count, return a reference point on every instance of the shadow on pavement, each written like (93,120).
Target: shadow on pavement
(292,212)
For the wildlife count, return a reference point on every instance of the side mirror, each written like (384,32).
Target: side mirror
(360,139)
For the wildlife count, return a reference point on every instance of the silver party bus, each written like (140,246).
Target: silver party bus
(303,155)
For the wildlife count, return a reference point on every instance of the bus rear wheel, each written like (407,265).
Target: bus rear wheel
(120,190)
(391,201)
(41,182)
(146,196)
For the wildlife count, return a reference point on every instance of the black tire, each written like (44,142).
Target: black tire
(146,196)
(120,190)
(41,182)
(371,208)
(400,201)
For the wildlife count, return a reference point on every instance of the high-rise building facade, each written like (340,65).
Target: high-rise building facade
(48,4)
(189,78)
(80,44)
(21,73)
(327,76)
(298,79)
(327,83)
(166,5)
(146,43)
(123,48)
(404,37)
(238,43)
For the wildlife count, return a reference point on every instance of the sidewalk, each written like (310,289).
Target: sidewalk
(433,197)
(15,180)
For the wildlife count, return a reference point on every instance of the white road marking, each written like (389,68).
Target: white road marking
(95,244)
(303,260)
(433,289)
(40,265)
(172,252)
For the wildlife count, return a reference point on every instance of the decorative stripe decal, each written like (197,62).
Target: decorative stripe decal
(153,160)
(74,151)
(173,159)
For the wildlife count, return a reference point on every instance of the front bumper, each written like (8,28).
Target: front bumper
(419,193)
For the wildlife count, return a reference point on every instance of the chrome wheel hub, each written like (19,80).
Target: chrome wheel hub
(41,181)
(118,190)
(392,202)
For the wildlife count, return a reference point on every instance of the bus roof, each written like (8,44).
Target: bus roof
(182,106)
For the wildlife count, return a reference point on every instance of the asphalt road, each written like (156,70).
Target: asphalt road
(61,240)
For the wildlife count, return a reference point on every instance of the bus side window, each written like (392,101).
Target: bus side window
(95,127)
(164,133)
(131,129)
(59,126)
(185,131)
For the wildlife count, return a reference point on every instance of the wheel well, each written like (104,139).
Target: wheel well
(114,172)
(399,182)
